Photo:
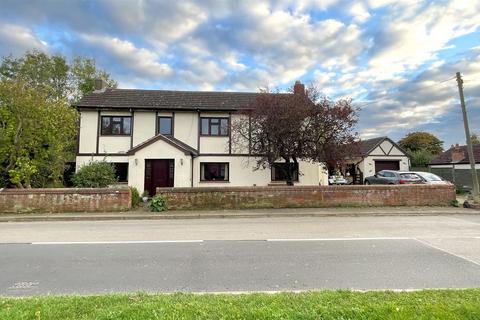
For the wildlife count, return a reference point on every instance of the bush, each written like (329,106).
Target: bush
(135,197)
(95,175)
(158,203)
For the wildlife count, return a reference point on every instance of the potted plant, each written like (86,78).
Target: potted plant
(145,196)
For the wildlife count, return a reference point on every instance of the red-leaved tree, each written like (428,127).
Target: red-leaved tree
(298,126)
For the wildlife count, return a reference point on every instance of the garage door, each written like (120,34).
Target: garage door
(386,165)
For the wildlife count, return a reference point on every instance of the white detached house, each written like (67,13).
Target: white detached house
(159,138)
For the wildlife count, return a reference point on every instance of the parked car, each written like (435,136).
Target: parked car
(430,178)
(337,180)
(393,177)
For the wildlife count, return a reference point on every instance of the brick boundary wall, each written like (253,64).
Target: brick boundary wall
(306,196)
(64,200)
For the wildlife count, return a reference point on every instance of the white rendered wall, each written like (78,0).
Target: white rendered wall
(88,131)
(242,173)
(143,126)
(186,128)
(83,160)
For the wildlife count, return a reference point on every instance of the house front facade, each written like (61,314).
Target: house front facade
(159,138)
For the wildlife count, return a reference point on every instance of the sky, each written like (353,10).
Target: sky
(396,59)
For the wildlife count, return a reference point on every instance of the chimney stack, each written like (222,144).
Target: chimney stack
(457,154)
(298,88)
(100,85)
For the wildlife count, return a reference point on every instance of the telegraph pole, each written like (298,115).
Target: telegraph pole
(467,134)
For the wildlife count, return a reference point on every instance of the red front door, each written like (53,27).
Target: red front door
(158,173)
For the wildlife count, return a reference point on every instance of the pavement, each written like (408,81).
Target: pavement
(248,213)
(395,252)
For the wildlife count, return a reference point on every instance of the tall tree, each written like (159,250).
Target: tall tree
(35,135)
(37,124)
(420,140)
(54,75)
(300,126)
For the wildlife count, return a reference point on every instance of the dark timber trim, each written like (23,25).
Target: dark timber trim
(99,125)
(78,132)
(224,155)
(199,130)
(86,154)
(132,125)
(230,133)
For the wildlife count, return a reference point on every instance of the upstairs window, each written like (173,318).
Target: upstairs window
(116,126)
(214,171)
(214,126)
(279,171)
(165,126)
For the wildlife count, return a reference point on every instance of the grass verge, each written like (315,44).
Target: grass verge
(428,304)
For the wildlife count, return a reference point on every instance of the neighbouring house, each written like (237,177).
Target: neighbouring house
(454,165)
(159,138)
(376,154)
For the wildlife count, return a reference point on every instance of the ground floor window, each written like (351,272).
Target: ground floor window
(121,171)
(280,171)
(214,171)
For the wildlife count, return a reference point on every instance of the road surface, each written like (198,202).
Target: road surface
(225,255)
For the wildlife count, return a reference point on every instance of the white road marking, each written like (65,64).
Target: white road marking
(116,242)
(340,239)
(446,251)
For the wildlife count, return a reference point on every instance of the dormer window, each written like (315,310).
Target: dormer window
(116,126)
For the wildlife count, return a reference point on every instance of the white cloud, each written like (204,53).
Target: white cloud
(407,41)
(16,39)
(140,60)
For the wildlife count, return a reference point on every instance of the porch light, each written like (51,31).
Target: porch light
(136,161)
(181,162)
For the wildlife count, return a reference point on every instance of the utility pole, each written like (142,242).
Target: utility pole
(467,134)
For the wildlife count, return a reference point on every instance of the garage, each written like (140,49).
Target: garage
(386,165)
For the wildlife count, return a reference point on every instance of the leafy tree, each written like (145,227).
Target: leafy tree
(416,141)
(97,174)
(37,125)
(420,158)
(54,75)
(36,134)
(475,139)
(295,127)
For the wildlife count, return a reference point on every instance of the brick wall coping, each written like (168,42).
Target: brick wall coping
(12,191)
(302,188)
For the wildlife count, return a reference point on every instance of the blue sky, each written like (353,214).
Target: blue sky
(389,56)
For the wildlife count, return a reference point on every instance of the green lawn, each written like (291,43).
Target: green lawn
(431,304)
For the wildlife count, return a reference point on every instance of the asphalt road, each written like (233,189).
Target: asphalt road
(240,255)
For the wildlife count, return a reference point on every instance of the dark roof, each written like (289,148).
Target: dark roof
(446,157)
(165,99)
(168,139)
(366,146)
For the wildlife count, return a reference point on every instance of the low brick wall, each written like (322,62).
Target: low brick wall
(305,196)
(64,200)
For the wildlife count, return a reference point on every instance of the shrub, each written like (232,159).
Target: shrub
(95,175)
(135,196)
(158,203)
